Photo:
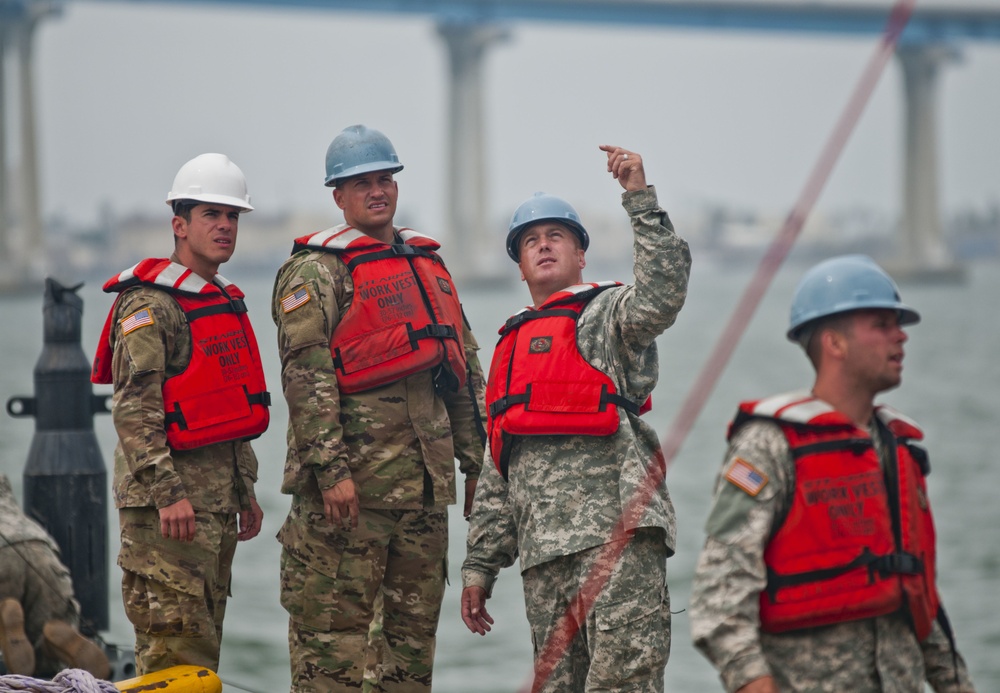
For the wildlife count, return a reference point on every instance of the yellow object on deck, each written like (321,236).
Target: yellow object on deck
(184,678)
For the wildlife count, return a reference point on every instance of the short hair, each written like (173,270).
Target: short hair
(838,322)
(182,208)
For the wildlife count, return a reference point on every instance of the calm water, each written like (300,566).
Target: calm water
(951,385)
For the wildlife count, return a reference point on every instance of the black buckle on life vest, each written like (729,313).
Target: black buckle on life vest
(502,404)
(175,418)
(238,304)
(437,332)
(899,564)
(262,398)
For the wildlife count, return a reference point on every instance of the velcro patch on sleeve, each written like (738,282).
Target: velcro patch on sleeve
(746,477)
(140,318)
(295,299)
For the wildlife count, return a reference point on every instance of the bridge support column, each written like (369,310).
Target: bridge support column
(924,256)
(6,246)
(31,218)
(472,240)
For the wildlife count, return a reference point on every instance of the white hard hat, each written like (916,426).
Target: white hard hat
(211,178)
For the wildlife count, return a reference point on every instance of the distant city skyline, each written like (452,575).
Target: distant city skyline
(127,93)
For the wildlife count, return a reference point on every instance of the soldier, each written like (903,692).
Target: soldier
(380,373)
(39,615)
(818,570)
(568,451)
(188,393)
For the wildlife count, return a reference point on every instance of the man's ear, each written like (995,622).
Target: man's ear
(179,226)
(338,197)
(833,342)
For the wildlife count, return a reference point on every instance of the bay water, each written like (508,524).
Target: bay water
(951,385)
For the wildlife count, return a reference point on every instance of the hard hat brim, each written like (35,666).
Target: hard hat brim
(907,316)
(361,169)
(244,205)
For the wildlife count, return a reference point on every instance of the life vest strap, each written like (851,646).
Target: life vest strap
(623,402)
(858,446)
(434,331)
(529,315)
(776,581)
(502,404)
(899,563)
(235,305)
(176,417)
(261,398)
(395,250)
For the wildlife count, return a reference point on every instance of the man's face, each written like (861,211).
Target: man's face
(874,349)
(209,239)
(551,256)
(368,200)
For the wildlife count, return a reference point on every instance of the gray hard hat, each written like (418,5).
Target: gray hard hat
(842,284)
(359,149)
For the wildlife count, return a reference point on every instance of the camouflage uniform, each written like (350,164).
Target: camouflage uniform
(566,493)
(866,656)
(398,443)
(31,573)
(174,592)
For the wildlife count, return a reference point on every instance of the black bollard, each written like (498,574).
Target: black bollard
(65,481)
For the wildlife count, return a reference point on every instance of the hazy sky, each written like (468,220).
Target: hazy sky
(126,94)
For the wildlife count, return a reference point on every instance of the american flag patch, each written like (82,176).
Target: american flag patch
(294,300)
(140,318)
(745,476)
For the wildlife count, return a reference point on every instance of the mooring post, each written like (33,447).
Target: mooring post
(65,481)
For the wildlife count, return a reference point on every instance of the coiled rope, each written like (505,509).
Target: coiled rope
(66,681)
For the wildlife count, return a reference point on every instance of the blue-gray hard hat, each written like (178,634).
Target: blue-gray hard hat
(359,149)
(543,207)
(842,284)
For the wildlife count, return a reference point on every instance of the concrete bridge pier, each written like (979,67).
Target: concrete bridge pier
(22,239)
(923,252)
(6,247)
(476,253)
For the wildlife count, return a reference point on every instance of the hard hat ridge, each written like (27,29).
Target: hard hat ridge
(211,178)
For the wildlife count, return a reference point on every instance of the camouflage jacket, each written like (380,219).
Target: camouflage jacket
(398,443)
(566,493)
(217,478)
(15,526)
(880,654)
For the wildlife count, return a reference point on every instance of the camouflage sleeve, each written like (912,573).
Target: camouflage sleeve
(944,666)
(140,365)
(466,411)
(731,573)
(492,540)
(661,263)
(246,463)
(306,307)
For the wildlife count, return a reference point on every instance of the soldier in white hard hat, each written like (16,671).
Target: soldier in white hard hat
(380,373)
(818,572)
(189,394)
(568,452)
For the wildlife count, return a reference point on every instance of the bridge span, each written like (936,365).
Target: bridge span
(469,28)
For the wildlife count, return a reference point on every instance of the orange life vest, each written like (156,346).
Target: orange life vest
(857,542)
(221,394)
(405,316)
(540,384)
